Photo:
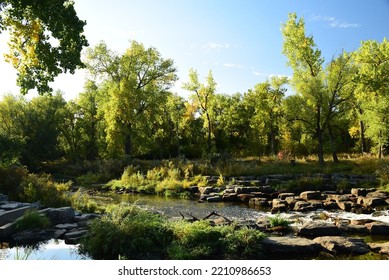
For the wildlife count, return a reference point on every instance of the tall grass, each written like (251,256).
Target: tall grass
(127,232)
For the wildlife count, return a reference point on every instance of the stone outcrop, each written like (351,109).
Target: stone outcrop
(319,228)
(65,223)
(259,192)
(340,245)
(290,248)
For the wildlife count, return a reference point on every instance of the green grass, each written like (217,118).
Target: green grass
(278,220)
(32,220)
(127,232)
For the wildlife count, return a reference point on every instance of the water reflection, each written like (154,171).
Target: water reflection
(53,249)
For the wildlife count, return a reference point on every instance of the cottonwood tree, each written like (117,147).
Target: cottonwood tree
(202,97)
(46,39)
(266,102)
(136,83)
(372,82)
(308,79)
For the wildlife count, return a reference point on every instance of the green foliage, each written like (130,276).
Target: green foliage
(33,26)
(32,220)
(43,189)
(200,240)
(278,220)
(82,203)
(127,232)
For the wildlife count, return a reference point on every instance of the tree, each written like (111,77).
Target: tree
(203,94)
(266,101)
(372,82)
(136,84)
(33,26)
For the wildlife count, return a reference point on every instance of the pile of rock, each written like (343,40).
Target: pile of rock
(65,223)
(358,200)
(327,239)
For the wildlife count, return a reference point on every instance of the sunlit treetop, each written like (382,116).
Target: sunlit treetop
(46,39)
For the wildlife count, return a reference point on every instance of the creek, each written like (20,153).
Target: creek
(173,208)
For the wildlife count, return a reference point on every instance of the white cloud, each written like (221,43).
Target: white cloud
(256,73)
(233,65)
(215,46)
(333,22)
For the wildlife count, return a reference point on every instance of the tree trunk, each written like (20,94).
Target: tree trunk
(128,142)
(362,137)
(319,135)
(320,152)
(333,148)
(209,138)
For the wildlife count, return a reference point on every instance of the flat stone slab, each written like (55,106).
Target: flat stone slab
(377,228)
(341,245)
(316,229)
(66,226)
(291,248)
(11,215)
(382,248)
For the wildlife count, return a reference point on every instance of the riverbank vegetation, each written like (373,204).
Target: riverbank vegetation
(127,232)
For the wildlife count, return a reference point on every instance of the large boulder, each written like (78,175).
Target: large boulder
(378,228)
(340,245)
(290,248)
(309,195)
(382,248)
(61,215)
(319,228)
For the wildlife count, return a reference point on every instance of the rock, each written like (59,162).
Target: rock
(361,221)
(302,206)
(245,197)
(319,228)
(73,237)
(230,197)
(345,205)
(378,228)
(341,245)
(66,226)
(279,205)
(3,197)
(259,201)
(61,215)
(354,229)
(359,191)
(378,194)
(330,205)
(382,248)
(290,248)
(31,236)
(283,196)
(59,233)
(216,198)
(309,195)
(372,201)
(206,190)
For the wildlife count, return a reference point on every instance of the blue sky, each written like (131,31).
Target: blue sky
(239,40)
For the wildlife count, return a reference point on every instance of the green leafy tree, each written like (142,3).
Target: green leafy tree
(136,83)
(202,97)
(372,80)
(33,26)
(266,102)
(308,80)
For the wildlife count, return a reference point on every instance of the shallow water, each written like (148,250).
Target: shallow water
(58,250)
(53,249)
(171,207)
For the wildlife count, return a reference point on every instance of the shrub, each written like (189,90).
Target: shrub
(277,221)
(43,189)
(127,232)
(200,240)
(32,220)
